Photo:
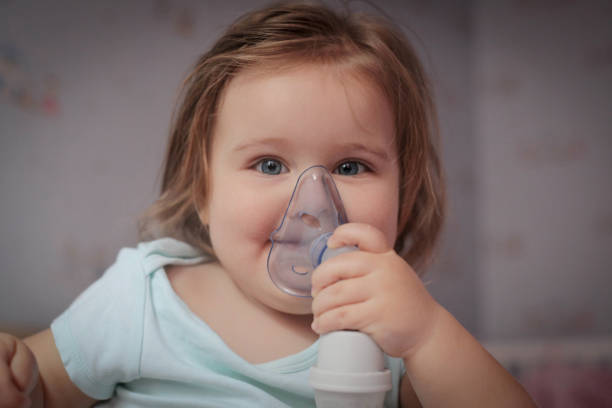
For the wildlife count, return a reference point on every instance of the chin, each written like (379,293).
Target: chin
(289,304)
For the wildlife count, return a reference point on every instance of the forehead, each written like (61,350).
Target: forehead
(305,100)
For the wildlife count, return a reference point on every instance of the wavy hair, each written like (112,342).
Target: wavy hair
(286,34)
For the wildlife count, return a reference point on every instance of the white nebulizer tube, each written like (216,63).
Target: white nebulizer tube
(350,369)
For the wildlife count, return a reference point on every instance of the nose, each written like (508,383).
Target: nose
(315,200)
(313,194)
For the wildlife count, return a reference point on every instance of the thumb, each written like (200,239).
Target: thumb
(24,368)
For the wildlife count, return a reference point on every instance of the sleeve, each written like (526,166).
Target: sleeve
(99,336)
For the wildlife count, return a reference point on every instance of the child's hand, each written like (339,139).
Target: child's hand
(18,372)
(374,291)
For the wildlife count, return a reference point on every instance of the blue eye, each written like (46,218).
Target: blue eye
(270,166)
(350,168)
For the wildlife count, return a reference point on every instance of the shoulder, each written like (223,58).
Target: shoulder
(99,337)
(152,255)
(189,277)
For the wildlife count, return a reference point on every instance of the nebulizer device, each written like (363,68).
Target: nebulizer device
(350,369)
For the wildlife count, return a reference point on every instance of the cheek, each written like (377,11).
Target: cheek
(379,208)
(244,213)
(383,217)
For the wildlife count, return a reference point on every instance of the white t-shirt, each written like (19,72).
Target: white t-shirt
(130,338)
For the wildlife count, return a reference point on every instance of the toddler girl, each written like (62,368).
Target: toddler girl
(192,318)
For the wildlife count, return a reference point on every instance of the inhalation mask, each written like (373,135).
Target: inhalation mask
(299,245)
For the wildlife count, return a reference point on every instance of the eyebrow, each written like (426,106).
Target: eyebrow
(268,141)
(353,147)
(360,147)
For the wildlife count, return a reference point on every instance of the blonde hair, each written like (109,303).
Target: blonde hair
(294,33)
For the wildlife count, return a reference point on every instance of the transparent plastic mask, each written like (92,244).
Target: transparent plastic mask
(299,244)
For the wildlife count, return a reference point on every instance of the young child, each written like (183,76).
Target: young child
(192,318)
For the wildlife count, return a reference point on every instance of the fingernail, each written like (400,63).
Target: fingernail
(331,242)
(315,325)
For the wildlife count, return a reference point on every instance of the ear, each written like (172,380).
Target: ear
(203,216)
(201,207)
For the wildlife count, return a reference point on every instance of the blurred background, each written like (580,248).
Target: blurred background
(524,92)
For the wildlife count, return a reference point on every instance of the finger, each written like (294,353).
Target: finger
(347,317)
(24,368)
(10,395)
(344,292)
(364,236)
(7,347)
(345,266)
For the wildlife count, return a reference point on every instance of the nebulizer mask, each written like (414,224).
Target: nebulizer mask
(350,369)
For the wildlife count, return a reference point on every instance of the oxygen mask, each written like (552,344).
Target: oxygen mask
(299,244)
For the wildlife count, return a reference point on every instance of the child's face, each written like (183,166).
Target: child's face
(271,127)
